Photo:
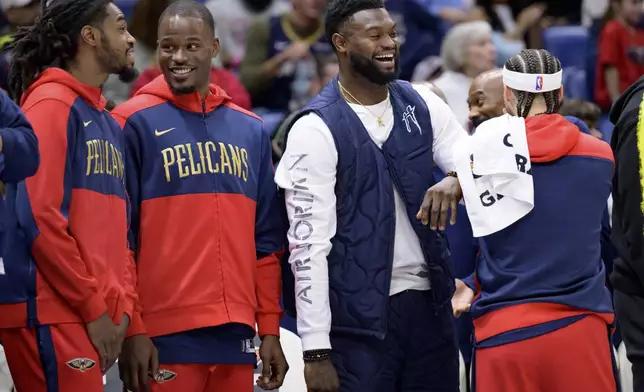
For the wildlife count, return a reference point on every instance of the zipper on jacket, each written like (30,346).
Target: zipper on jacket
(216,203)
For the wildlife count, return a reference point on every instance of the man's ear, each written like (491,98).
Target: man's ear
(90,35)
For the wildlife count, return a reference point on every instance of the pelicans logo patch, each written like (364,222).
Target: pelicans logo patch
(163,376)
(81,364)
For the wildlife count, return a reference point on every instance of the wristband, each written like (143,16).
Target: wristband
(451,173)
(316,355)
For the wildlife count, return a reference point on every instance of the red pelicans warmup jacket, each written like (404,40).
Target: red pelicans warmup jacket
(66,249)
(206,220)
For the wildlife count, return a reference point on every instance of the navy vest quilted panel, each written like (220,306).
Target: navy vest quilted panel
(360,261)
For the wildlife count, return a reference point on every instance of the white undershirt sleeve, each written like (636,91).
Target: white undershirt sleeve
(307,173)
(446,128)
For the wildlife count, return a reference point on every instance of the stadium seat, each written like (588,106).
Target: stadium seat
(574,83)
(568,44)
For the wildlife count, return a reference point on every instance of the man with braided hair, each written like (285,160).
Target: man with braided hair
(539,278)
(64,308)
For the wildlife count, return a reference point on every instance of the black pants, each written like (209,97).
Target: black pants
(419,353)
(630,314)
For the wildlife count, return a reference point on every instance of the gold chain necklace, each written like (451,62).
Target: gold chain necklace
(345,92)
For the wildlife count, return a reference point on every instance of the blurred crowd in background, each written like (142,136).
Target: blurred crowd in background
(274,56)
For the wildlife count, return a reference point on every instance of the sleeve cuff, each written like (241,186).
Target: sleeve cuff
(469,282)
(136,325)
(316,341)
(268,324)
(92,308)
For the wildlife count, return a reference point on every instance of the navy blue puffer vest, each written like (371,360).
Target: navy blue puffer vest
(360,262)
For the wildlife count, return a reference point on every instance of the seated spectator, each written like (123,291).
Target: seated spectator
(327,68)
(467,52)
(233,19)
(621,52)
(418,31)
(587,112)
(279,62)
(456,11)
(18,13)
(510,25)
(219,76)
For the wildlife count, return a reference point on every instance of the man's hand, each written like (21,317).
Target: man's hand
(462,298)
(274,365)
(320,376)
(297,51)
(122,328)
(438,201)
(138,360)
(104,336)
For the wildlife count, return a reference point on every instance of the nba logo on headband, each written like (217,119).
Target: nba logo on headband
(539,84)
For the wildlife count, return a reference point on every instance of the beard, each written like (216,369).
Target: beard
(183,90)
(110,57)
(478,120)
(369,69)
(128,74)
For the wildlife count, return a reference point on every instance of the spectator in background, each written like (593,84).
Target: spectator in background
(456,11)
(418,30)
(621,52)
(18,13)
(467,52)
(587,112)
(510,25)
(219,76)
(278,69)
(485,98)
(327,69)
(233,19)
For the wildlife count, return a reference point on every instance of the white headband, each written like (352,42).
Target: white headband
(532,83)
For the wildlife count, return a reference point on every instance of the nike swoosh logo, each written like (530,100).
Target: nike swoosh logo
(86,123)
(159,133)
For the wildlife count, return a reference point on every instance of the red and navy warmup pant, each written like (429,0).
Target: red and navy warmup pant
(578,356)
(204,378)
(52,358)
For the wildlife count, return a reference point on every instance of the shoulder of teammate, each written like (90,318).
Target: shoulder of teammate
(124,111)
(19,142)
(590,146)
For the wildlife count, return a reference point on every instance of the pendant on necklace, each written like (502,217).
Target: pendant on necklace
(380,123)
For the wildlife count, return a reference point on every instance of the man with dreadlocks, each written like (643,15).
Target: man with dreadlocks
(540,280)
(64,309)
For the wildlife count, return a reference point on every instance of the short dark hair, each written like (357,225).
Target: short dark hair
(587,111)
(52,40)
(338,12)
(189,8)
(535,61)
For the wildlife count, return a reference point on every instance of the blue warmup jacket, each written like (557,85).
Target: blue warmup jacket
(361,259)
(545,270)
(19,157)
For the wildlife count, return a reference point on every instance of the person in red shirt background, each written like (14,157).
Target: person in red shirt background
(621,51)
(219,76)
